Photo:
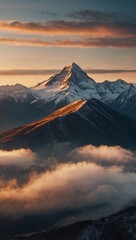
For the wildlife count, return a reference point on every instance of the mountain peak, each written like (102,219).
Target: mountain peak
(71,68)
(121,81)
(69,84)
(74,76)
(75,67)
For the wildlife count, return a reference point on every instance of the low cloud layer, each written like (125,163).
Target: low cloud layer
(94,177)
(69,186)
(20,158)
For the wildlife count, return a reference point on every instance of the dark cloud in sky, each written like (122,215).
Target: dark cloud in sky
(102,16)
(49,13)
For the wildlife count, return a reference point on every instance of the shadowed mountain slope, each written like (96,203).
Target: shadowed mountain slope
(78,123)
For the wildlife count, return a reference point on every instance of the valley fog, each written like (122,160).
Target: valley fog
(87,183)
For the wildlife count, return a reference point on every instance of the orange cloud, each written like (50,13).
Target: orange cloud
(84,43)
(72,27)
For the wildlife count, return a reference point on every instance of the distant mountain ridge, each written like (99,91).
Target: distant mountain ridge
(24,105)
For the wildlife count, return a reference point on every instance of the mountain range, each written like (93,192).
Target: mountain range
(24,105)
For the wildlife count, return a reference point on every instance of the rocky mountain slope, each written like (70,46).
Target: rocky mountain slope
(79,123)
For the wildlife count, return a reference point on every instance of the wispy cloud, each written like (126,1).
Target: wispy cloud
(74,27)
(98,27)
(84,43)
(49,13)
(101,16)
(87,28)
(13,72)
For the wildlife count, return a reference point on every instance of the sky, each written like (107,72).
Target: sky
(39,38)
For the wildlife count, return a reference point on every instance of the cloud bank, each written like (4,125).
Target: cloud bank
(89,182)
(118,42)
(64,188)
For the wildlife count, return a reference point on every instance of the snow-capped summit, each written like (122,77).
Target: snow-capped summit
(71,84)
(68,75)
(74,76)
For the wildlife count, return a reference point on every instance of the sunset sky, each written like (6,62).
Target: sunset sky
(40,37)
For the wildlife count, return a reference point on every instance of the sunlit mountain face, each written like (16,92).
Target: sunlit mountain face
(67,120)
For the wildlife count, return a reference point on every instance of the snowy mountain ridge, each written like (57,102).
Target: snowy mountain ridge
(16,93)
(71,84)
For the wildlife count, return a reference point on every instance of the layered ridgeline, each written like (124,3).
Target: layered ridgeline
(23,105)
(78,123)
